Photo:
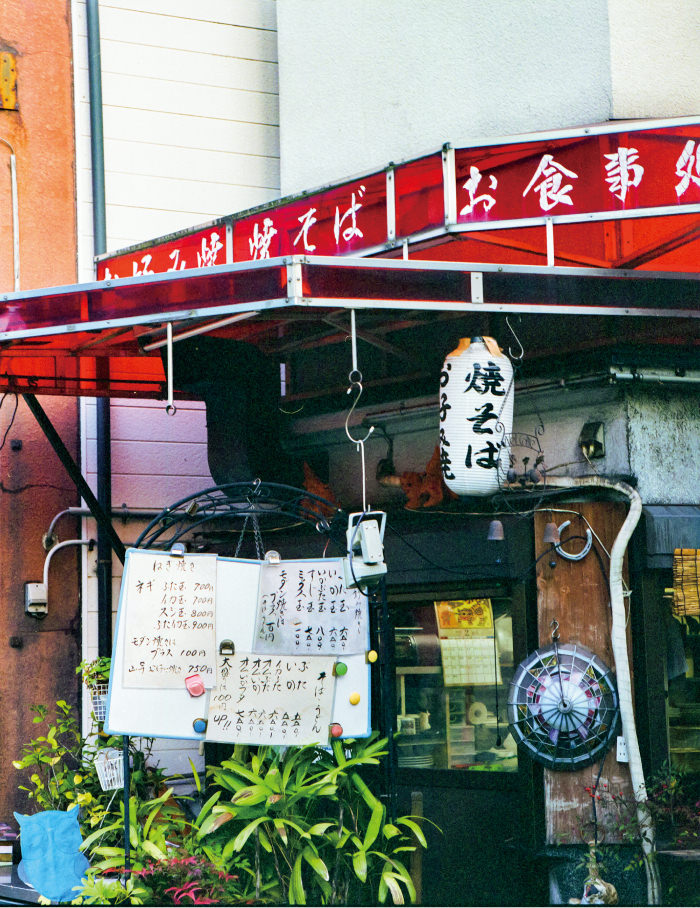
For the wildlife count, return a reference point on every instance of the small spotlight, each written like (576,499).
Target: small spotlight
(496,533)
(551,534)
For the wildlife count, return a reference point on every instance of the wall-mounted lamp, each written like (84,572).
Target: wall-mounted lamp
(496,533)
(592,440)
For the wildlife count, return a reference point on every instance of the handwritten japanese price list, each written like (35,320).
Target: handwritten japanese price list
(277,700)
(170,619)
(305,608)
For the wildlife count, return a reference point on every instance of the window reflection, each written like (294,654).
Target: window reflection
(454,663)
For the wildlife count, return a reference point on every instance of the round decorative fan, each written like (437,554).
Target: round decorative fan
(563,706)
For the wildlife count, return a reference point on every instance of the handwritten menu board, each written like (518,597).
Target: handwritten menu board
(170,618)
(304,607)
(196,618)
(278,700)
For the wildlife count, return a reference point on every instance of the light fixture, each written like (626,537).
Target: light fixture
(592,440)
(496,533)
(551,534)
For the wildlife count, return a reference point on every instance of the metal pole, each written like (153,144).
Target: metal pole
(388,695)
(103,422)
(103,520)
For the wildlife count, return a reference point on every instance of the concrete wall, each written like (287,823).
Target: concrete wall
(365,83)
(664,442)
(413,429)
(651,433)
(655,49)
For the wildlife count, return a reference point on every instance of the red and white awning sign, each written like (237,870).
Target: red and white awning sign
(601,222)
(586,175)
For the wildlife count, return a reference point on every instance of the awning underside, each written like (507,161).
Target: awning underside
(108,338)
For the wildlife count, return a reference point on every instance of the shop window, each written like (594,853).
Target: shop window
(683,661)
(683,666)
(454,664)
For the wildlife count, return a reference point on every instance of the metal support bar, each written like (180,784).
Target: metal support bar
(388,696)
(126,796)
(74,472)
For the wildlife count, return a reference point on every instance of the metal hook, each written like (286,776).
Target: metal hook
(358,384)
(555,632)
(510,352)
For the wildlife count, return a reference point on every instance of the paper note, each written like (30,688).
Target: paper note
(169,619)
(304,607)
(273,700)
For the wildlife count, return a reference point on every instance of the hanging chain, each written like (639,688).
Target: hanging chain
(240,538)
(259,548)
(260,551)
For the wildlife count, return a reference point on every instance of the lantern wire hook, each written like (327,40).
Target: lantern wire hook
(355,379)
(510,352)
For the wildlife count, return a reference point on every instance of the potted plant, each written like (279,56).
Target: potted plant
(95,673)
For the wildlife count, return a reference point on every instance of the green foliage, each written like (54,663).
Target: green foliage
(60,772)
(308,825)
(100,890)
(95,671)
(296,826)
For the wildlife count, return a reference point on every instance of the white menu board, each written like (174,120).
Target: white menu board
(305,607)
(277,700)
(203,677)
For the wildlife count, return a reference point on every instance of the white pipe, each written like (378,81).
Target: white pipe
(52,552)
(622,666)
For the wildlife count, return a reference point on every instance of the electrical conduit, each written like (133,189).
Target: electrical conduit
(622,666)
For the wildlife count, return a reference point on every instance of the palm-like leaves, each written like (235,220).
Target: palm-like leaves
(307,821)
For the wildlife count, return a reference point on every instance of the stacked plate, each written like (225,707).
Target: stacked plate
(416,762)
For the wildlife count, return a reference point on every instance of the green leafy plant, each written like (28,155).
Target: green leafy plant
(155,826)
(94,671)
(101,890)
(60,777)
(60,773)
(309,826)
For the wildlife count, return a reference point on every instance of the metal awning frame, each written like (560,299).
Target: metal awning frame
(492,289)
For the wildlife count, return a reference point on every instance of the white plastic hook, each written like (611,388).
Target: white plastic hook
(578,556)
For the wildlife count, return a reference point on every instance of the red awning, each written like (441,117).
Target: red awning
(599,222)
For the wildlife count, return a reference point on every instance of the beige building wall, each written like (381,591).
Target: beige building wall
(654,54)
(190,106)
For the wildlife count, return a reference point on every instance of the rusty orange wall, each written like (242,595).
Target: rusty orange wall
(576,594)
(33,484)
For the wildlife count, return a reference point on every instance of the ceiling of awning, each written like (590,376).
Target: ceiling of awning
(109,337)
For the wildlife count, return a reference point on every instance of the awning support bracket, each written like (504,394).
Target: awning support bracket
(64,455)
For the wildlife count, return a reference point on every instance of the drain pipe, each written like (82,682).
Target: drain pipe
(99,222)
(622,666)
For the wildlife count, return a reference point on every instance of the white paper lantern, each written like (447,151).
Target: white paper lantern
(476,417)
